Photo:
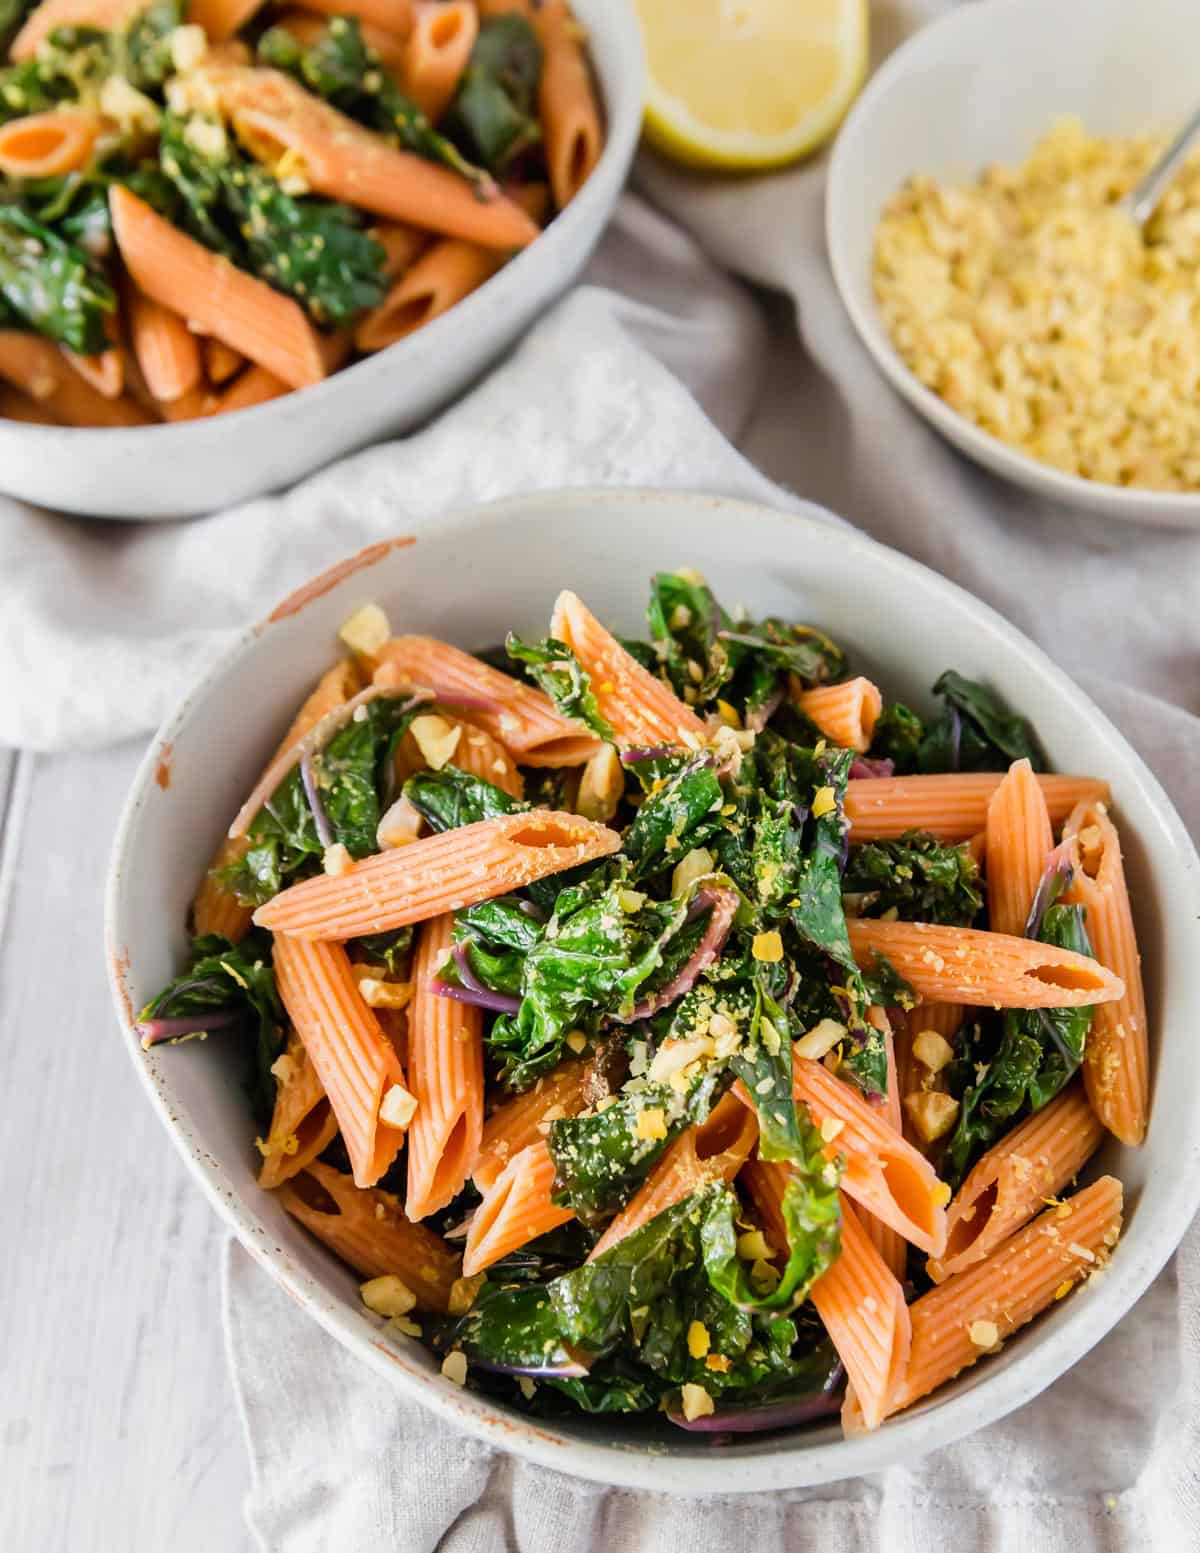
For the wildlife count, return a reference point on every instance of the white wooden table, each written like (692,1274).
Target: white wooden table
(117,1426)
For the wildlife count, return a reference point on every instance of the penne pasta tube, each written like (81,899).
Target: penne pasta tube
(37,367)
(16,406)
(105,371)
(846,714)
(443,275)
(403,245)
(437,739)
(368,1230)
(515,1210)
(887,1241)
(1014,1178)
(566,103)
(216,909)
(437,52)
(1116,1058)
(445,1059)
(861,1303)
(302,1125)
(713,1150)
(220,362)
(255,386)
(514,713)
(1018,841)
(222,18)
(522,1121)
(438,874)
(925,1038)
(995,970)
(953,807)
(275,118)
(47,145)
(885,1175)
(640,709)
(49,15)
(974,1312)
(237,308)
(167,351)
(355,1062)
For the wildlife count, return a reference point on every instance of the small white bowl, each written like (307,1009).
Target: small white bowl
(471,576)
(199,466)
(981,85)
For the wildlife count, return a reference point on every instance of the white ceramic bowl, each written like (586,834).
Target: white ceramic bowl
(198,466)
(469,577)
(981,85)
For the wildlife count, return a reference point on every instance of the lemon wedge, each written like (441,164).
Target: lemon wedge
(750,83)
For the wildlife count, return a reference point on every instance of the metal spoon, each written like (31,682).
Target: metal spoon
(1142,200)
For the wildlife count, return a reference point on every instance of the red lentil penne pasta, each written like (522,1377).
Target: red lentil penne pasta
(220,362)
(437,52)
(390,16)
(925,1121)
(845,714)
(952,807)
(47,145)
(713,1150)
(443,275)
(1116,1058)
(492,8)
(1015,1177)
(356,1063)
(994,970)
(861,1302)
(105,371)
(403,245)
(522,1120)
(1019,841)
(49,15)
(221,18)
(254,386)
(16,406)
(885,1175)
(167,351)
(216,909)
(302,1125)
(442,873)
(766,1181)
(975,1311)
(275,117)
(520,717)
(639,708)
(566,103)
(886,1240)
(515,1209)
(368,1230)
(445,1059)
(37,367)
(471,749)
(242,311)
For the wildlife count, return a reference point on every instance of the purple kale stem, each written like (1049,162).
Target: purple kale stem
(320,819)
(151,1031)
(955,737)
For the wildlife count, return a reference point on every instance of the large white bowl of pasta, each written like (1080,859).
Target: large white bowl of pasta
(236,246)
(818,1115)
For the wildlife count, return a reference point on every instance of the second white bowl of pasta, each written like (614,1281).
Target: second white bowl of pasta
(664,1039)
(323,224)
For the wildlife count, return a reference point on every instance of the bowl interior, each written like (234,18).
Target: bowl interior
(982,85)
(471,577)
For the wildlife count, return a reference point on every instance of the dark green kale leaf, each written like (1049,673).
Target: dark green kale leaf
(682,814)
(494,112)
(917,877)
(50,285)
(225,984)
(975,731)
(897,737)
(450,798)
(349,774)
(341,68)
(312,249)
(600,1161)
(556,670)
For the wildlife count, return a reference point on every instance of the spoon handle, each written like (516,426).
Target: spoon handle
(1142,200)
